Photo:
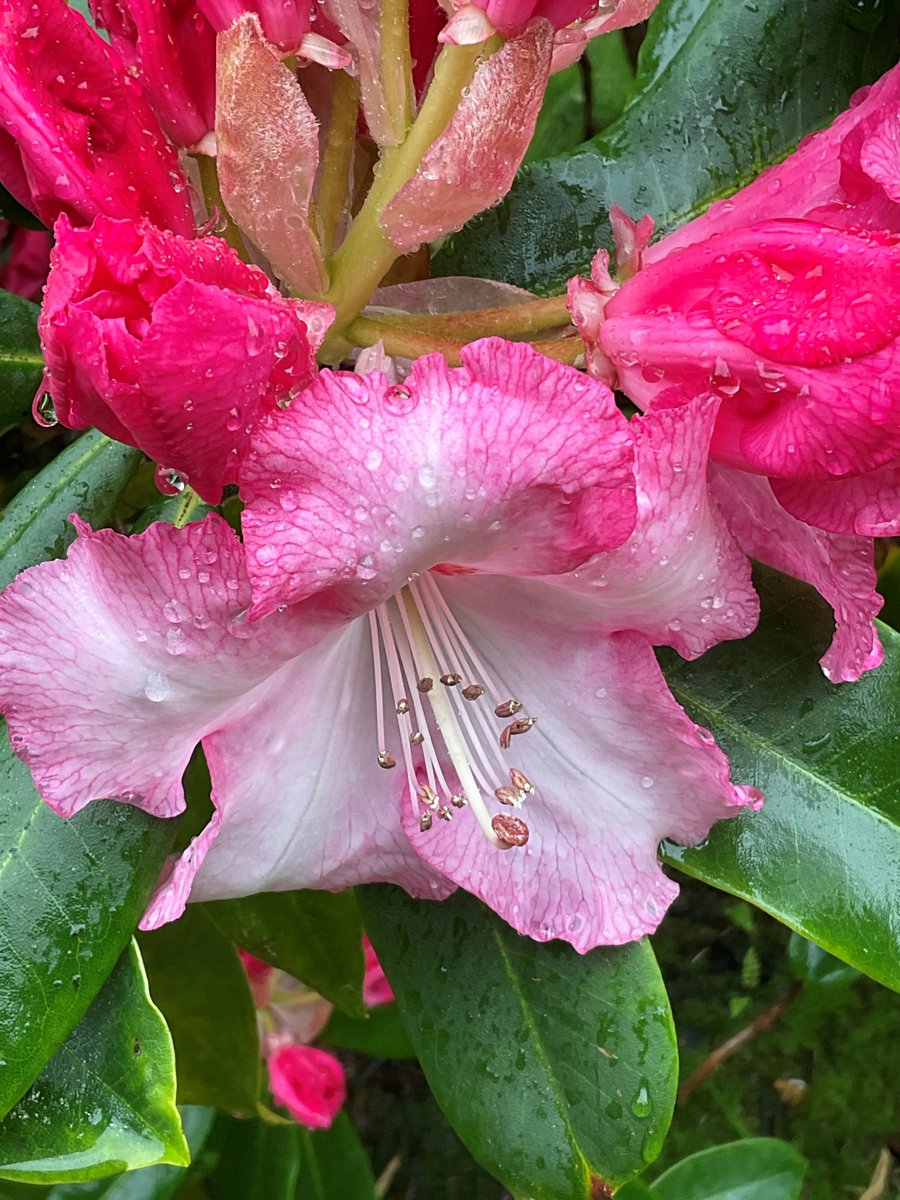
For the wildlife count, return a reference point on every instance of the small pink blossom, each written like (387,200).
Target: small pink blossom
(308,1082)
(170,344)
(464,576)
(376,989)
(24,260)
(259,976)
(76,134)
(171,47)
(580,19)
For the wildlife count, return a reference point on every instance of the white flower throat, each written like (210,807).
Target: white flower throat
(444,700)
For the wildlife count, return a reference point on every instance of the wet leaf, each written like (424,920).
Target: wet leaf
(21,361)
(753,1169)
(334,1165)
(105,1102)
(823,853)
(556,1070)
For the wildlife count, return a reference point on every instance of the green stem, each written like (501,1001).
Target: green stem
(510,320)
(366,253)
(396,64)
(334,180)
(413,343)
(212,194)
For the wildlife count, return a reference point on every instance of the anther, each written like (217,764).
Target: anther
(515,728)
(385,760)
(451,679)
(428,796)
(425,821)
(473,692)
(521,782)
(508,795)
(458,801)
(402,706)
(425,684)
(445,812)
(512,831)
(508,708)
(417,738)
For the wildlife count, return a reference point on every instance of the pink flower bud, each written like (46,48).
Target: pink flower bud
(170,344)
(284,22)
(308,1082)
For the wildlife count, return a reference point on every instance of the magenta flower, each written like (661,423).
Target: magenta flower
(26,255)
(308,1082)
(171,47)
(464,576)
(291,25)
(170,344)
(76,135)
(580,19)
(376,988)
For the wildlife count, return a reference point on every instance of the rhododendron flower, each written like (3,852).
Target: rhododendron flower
(171,47)
(308,1082)
(24,260)
(376,988)
(287,24)
(455,585)
(579,19)
(170,344)
(76,134)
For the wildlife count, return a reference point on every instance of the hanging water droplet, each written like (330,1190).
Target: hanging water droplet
(169,481)
(43,411)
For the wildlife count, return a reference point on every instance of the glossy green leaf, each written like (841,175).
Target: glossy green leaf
(334,1165)
(105,1102)
(816,966)
(86,478)
(381,1034)
(201,988)
(256,1161)
(754,1169)
(149,1183)
(21,361)
(636,1190)
(71,893)
(724,88)
(314,936)
(556,1070)
(823,853)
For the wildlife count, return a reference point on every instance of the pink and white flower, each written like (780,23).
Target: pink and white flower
(454,588)
(170,344)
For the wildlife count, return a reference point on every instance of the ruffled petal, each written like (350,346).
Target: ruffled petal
(868,504)
(117,660)
(617,765)
(840,567)
(681,579)
(511,464)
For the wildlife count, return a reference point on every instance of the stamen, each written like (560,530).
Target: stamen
(473,692)
(508,708)
(451,679)
(417,738)
(521,782)
(385,760)
(508,795)
(425,821)
(425,684)
(517,727)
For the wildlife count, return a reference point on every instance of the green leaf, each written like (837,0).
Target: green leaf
(381,1034)
(257,1161)
(314,936)
(334,1165)
(198,982)
(724,88)
(823,853)
(12,210)
(816,966)
(71,893)
(21,361)
(611,79)
(105,1102)
(636,1190)
(149,1183)
(87,478)
(556,1070)
(754,1169)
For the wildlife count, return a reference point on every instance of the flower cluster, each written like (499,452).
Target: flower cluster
(429,657)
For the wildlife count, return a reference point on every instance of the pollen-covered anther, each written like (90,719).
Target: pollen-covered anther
(508,708)
(521,782)
(416,738)
(428,796)
(512,831)
(425,821)
(445,812)
(425,684)
(515,728)
(508,795)
(458,801)
(386,760)
(402,706)
(451,679)
(473,692)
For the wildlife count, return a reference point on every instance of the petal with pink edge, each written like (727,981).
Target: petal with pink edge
(117,660)
(839,566)
(472,164)
(511,464)
(868,504)
(681,579)
(616,763)
(268,154)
